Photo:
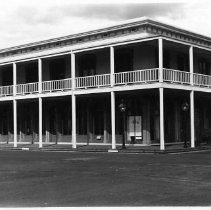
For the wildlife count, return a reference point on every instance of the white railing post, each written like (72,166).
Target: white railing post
(112,79)
(40,74)
(162,142)
(14,78)
(40,122)
(191,64)
(15,121)
(192,119)
(160,59)
(113,132)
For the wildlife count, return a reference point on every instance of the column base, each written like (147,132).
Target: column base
(113,150)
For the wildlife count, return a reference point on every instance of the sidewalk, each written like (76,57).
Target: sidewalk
(103,148)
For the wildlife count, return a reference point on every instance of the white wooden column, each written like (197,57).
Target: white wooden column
(73,121)
(40,74)
(15,121)
(192,129)
(112,66)
(162,142)
(113,132)
(160,59)
(105,133)
(191,64)
(40,122)
(14,78)
(73,70)
(73,101)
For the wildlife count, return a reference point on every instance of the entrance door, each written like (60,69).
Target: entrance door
(134,129)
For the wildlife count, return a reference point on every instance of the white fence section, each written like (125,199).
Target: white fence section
(202,80)
(27,88)
(93,81)
(104,80)
(175,76)
(139,76)
(6,90)
(57,85)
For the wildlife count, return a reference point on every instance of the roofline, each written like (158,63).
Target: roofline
(112,27)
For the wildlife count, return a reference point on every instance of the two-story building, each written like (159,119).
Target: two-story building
(68,89)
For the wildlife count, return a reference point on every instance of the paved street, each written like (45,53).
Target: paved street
(36,179)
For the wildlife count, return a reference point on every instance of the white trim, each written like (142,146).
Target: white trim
(69,51)
(186,43)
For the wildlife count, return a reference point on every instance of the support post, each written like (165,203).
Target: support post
(40,74)
(191,64)
(112,66)
(15,121)
(105,125)
(14,78)
(73,101)
(73,121)
(160,59)
(40,122)
(192,119)
(73,70)
(113,133)
(162,143)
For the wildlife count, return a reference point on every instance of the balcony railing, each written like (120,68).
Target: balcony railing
(175,76)
(139,76)
(6,90)
(57,85)
(93,81)
(104,80)
(202,80)
(27,88)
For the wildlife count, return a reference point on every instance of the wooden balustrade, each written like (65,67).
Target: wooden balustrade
(202,80)
(139,76)
(175,76)
(6,90)
(27,88)
(56,85)
(104,80)
(93,81)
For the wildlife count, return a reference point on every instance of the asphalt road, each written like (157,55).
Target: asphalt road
(40,179)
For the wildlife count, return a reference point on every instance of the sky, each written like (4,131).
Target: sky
(25,21)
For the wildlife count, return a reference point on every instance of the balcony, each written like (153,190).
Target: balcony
(145,76)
